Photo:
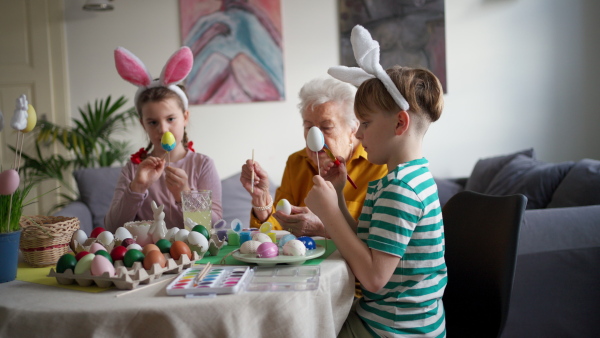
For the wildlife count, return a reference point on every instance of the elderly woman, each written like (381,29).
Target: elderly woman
(328,104)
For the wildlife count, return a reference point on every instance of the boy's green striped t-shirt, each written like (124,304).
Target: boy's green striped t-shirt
(402,216)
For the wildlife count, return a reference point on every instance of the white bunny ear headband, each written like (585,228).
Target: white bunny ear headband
(366,52)
(132,70)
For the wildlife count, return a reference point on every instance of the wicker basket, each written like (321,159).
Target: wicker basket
(45,238)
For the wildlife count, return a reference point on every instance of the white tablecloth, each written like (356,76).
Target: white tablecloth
(34,310)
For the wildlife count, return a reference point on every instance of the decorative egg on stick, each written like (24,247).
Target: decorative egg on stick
(315,142)
(168,143)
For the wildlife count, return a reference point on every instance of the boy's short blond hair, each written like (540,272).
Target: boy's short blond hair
(420,88)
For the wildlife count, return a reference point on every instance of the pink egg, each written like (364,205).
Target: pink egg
(267,250)
(100,265)
(9,181)
(96,246)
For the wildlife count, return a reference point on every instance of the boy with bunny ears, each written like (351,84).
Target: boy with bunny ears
(396,249)
(163,107)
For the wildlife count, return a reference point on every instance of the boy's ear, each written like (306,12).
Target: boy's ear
(403,122)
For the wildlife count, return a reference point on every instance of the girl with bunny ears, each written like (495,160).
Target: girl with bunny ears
(162,105)
(396,248)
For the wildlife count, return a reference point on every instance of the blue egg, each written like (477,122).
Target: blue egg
(308,242)
(286,239)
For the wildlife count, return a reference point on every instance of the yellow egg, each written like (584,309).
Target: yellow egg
(31,119)
(168,141)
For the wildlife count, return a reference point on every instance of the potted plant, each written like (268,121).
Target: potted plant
(13,193)
(90,143)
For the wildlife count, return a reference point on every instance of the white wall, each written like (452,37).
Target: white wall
(520,74)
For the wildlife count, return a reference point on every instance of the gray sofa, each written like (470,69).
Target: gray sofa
(555,292)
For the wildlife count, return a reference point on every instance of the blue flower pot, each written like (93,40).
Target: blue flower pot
(9,255)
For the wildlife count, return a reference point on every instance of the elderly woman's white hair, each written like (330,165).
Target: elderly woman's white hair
(326,89)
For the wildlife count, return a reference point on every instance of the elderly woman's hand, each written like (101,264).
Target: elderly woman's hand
(301,222)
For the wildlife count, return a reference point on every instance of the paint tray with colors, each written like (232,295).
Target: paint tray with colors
(218,280)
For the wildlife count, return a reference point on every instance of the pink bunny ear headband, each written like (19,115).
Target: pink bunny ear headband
(132,70)
(366,52)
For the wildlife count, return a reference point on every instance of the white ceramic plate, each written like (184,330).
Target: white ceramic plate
(281,259)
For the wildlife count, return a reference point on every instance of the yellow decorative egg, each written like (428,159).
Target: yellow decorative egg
(168,141)
(31,119)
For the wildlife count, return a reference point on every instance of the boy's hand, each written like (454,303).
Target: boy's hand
(322,198)
(336,174)
(147,173)
(177,181)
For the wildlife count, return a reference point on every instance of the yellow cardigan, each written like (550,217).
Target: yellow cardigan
(297,182)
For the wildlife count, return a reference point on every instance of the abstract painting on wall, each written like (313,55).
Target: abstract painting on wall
(237,47)
(410,32)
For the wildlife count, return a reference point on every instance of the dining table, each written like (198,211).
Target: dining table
(42,307)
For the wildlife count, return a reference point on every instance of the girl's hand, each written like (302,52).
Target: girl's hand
(147,173)
(322,198)
(335,174)
(177,181)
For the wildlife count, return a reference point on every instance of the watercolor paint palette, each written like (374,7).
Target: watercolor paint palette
(218,280)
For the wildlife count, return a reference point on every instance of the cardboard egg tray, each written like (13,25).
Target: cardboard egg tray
(126,278)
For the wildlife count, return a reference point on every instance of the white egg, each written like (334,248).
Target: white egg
(105,238)
(294,247)
(171,233)
(182,235)
(261,237)
(80,236)
(284,206)
(134,246)
(122,233)
(196,238)
(314,139)
(249,247)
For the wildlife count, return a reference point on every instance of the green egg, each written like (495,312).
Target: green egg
(201,229)
(84,264)
(164,245)
(66,262)
(105,254)
(132,256)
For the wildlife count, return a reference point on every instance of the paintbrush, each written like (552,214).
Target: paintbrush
(337,162)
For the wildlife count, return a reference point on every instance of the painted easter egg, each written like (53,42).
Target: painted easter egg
(122,233)
(261,237)
(65,262)
(309,243)
(284,206)
(84,264)
(267,250)
(315,139)
(132,256)
(164,245)
(80,236)
(105,238)
(9,181)
(168,141)
(266,227)
(105,254)
(285,239)
(100,264)
(31,119)
(294,248)
(202,230)
(118,252)
(96,232)
(249,247)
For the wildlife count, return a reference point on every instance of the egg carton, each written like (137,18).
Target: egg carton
(126,278)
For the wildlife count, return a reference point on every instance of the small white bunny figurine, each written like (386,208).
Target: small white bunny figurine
(158,229)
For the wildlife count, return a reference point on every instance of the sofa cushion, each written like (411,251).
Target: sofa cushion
(96,188)
(580,187)
(535,179)
(486,169)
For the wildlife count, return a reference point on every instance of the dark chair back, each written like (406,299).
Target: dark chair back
(481,236)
